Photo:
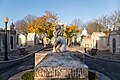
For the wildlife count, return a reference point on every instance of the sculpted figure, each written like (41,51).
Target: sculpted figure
(60,41)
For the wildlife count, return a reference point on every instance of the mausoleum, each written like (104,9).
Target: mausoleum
(98,40)
(95,37)
(11,39)
(114,42)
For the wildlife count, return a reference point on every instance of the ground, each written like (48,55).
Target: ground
(110,68)
(27,63)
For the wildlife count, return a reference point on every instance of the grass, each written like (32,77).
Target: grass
(92,76)
(28,75)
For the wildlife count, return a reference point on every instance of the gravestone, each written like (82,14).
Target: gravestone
(31,39)
(60,66)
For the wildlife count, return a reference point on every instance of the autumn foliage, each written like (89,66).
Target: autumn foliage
(43,24)
(70,31)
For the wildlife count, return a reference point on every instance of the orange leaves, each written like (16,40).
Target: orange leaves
(69,31)
(37,25)
(43,24)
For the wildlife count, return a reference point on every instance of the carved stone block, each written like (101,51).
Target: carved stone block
(60,66)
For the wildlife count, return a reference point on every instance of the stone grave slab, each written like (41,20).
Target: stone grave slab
(61,66)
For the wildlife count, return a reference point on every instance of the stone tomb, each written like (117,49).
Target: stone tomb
(60,66)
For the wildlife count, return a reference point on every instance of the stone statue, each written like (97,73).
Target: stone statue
(59,64)
(60,41)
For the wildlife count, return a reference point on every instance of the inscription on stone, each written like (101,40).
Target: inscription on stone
(61,72)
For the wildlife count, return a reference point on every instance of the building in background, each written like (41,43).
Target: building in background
(98,40)
(32,39)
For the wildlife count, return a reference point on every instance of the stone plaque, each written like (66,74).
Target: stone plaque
(61,72)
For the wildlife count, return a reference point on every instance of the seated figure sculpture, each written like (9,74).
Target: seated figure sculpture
(60,41)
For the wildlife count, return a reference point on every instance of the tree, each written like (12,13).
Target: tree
(22,26)
(114,19)
(44,24)
(77,22)
(29,18)
(94,27)
(70,31)
(104,21)
(51,16)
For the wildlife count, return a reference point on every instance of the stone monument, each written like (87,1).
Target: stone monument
(59,64)
(59,39)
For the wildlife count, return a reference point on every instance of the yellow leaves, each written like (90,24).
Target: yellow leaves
(37,25)
(69,31)
(43,24)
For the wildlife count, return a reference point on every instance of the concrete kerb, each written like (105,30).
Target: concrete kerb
(19,75)
(117,61)
(100,75)
(3,64)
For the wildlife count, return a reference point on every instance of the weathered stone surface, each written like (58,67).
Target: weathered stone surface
(61,60)
(59,39)
(39,57)
(59,47)
(61,65)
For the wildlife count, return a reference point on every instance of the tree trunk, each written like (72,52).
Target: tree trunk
(69,42)
(44,41)
(25,40)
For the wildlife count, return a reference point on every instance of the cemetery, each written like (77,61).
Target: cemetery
(60,64)
(63,62)
(59,40)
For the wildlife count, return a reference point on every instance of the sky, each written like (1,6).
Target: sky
(67,10)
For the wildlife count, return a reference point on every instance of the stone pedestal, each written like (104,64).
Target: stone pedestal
(61,66)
